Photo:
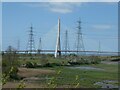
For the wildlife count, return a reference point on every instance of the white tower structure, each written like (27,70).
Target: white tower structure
(58,48)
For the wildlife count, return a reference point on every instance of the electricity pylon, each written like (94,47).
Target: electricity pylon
(80,44)
(66,43)
(31,43)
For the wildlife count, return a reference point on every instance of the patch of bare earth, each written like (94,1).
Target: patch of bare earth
(27,85)
(30,78)
(30,72)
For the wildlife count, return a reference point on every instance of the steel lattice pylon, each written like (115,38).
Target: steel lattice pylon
(66,43)
(31,43)
(80,44)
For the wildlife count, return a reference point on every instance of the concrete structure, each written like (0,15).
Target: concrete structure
(58,47)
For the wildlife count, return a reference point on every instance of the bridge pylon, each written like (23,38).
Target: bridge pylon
(58,47)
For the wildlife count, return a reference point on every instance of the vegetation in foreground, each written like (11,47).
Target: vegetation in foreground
(63,76)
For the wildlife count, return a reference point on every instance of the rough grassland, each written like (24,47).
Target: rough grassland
(67,77)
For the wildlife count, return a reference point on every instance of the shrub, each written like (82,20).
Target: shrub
(117,59)
(14,75)
(95,59)
(48,65)
(73,62)
(31,64)
(85,60)
(52,64)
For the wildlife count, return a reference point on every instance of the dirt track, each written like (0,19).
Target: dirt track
(25,72)
(27,85)
(29,73)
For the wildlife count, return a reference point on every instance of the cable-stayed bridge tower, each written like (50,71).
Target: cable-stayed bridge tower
(58,47)
(39,45)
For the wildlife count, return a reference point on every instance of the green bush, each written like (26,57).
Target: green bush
(95,59)
(11,72)
(85,60)
(71,62)
(48,65)
(14,75)
(31,64)
(52,64)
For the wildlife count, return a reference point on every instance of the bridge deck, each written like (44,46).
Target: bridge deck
(25,51)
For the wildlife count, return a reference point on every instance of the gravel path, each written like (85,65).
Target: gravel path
(107,84)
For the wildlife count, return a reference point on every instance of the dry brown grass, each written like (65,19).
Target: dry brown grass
(28,72)
(27,85)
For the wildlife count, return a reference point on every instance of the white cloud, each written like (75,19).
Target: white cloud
(60,10)
(63,7)
(102,27)
(58,7)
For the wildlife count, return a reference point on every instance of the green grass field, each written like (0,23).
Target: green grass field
(86,78)
(66,77)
